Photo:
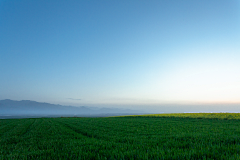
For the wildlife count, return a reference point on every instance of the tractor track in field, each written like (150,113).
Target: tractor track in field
(84,134)
(9,129)
(16,132)
(4,127)
(78,131)
(26,129)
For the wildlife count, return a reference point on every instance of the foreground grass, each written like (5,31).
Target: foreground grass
(172,136)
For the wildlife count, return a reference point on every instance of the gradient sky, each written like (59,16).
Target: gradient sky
(113,52)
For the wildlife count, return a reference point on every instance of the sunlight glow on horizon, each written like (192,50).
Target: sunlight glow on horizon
(213,81)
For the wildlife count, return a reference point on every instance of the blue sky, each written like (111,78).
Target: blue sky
(120,52)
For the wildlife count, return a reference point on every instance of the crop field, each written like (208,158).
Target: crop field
(172,136)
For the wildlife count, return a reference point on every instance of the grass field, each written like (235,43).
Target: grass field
(167,136)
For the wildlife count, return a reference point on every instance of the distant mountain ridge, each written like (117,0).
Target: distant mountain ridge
(27,107)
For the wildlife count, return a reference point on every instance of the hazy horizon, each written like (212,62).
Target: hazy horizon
(147,55)
(160,108)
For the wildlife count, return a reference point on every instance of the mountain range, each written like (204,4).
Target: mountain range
(26,108)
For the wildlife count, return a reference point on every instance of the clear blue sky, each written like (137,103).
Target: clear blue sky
(120,52)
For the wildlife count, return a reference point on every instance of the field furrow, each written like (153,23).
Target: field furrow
(7,127)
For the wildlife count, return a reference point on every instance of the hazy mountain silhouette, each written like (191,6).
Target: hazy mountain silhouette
(32,108)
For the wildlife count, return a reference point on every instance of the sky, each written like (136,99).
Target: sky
(120,53)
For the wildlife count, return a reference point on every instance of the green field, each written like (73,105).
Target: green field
(172,136)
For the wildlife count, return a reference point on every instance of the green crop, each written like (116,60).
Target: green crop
(164,136)
(194,115)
